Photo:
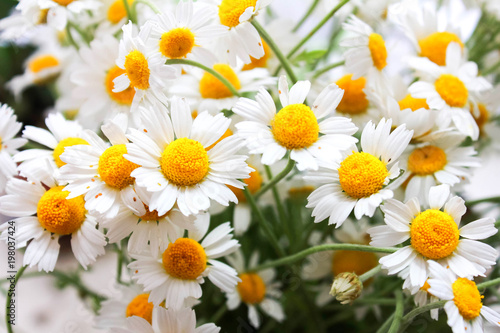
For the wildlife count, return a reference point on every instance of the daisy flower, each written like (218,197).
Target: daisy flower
(183,320)
(60,11)
(56,215)
(145,70)
(110,17)
(99,170)
(434,234)
(296,127)
(488,107)
(180,267)
(178,163)
(464,306)
(450,89)
(358,181)
(9,127)
(421,295)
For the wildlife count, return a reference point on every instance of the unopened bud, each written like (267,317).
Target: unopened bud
(346,287)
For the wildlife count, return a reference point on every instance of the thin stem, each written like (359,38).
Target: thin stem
(70,37)
(9,297)
(82,33)
(275,180)
(147,3)
(327,68)
(491,69)
(488,284)
(415,312)
(398,313)
(279,204)
(386,324)
(119,266)
(475,202)
(206,69)
(272,45)
(371,273)
(316,28)
(325,247)
(306,15)
(130,14)
(219,314)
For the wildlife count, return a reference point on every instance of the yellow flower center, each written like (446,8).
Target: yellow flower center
(136,66)
(184,162)
(427,160)
(376,44)
(63,2)
(354,100)
(185,259)
(261,62)
(42,62)
(426,286)
(362,174)
(177,43)
(295,126)
(254,183)
(151,215)
(353,262)
(226,134)
(467,298)
(482,118)
(123,97)
(117,11)
(413,103)
(140,307)
(211,87)
(59,149)
(114,169)
(434,234)
(434,46)
(251,288)
(231,10)
(452,90)
(60,215)
(42,16)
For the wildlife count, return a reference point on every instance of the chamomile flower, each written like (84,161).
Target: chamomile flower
(450,89)
(181,266)
(434,235)
(464,306)
(56,216)
(99,170)
(110,17)
(358,181)
(296,127)
(488,107)
(60,11)
(421,295)
(256,290)
(178,163)
(145,70)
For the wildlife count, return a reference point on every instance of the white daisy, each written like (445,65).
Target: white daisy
(60,11)
(56,215)
(434,234)
(181,266)
(110,17)
(450,89)
(358,181)
(256,289)
(465,308)
(421,295)
(488,107)
(296,127)
(178,164)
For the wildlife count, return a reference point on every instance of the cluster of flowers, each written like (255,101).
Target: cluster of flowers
(162,107)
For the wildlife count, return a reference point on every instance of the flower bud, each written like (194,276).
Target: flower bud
(346,287)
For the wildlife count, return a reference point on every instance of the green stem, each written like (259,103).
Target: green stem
(415,312)
(206,69)
(264,223)
(398,313)
(475,202)
(327,68)
(130,14)
(488,284)
(147,3)
(9,297)
(316,28)
(279,205)
(306,15)
(272,45)
(70,37)
(275,180)
(82,33)
(375,301)
(386,324)
(371,273)
(325,247)
(491,69)
(219,314)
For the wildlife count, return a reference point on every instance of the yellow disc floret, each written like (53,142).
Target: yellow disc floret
(211,87)
(124,97)
(60,215)
(410,102)
(427,160)
(252,288)
(482,117)
(226,134)
(114,169)
(295,127)
(262,61)
(353,262)
(151,215)
(452,90)
(137,68)
(40,63)
(467,298)
(63,2)
(184,162)
(59,149)
(376,44)
(140,307)
(231,10)
(362,174)
(185,259)
(434,46)
(177,43)
(254,183)
(434,234)
(117,11)
(354,100)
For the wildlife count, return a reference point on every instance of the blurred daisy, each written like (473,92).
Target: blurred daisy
(181,266)
(485,110)
(465,308)
(358,181)
(60,11)
(296,127)
(178,163)
(56,215)
(256,289)
(110,17)
(434,234)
